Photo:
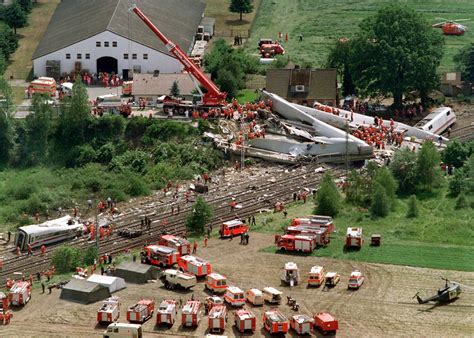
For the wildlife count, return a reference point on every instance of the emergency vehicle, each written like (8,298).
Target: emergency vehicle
(195,265)
(316,276)
(121,330)
(315,221)
(182,245)
(290,274)
(216,283)
(295,243)
(190,313)
(141,311)
(233,228)
(272,295)
(332,278)
(109,312)
(217,318)
(302,324)
(5,313)
(245,320)
(325,323)
(319,235)
(20,293)
(354,237)
(127,88)
(44,85)
(275,322)
(254,297)
(234,296)
(212,301)
(159,255)
(166,313)
(355,280)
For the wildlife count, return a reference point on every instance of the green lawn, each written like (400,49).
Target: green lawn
(322,22)
(441,237)
(247,95)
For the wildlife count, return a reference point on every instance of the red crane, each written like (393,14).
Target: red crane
(213,96)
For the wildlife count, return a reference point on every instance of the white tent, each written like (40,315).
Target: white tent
(112,283)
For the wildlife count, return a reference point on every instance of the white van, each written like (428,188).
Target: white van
(254,296)
(123,330)
(272,295)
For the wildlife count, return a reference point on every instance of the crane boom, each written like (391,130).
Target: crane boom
(213,97)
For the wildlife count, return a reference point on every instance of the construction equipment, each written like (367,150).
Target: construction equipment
(451,27)
(446,294)
(234,296)
(166,313)
(217,318)
(175,279)
(290,274)
(316,276)
(109,312)
(275,322)
(355,280)
(233,228)
(332,278)
(354,238)
(213,96)
(159,255)
(216,283)
(141,311)
(254,297)
(301,243)
(20,293)
(183,246)
(211,302)
(195,265)
(5,313)
(326,323)
(301,323)
(245,320)
(190,314)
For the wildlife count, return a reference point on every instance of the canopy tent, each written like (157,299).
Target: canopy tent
(82,291)
(136,272)
(112,283)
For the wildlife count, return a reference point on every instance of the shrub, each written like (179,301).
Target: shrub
(461,202)
(328,198)
(66,258)
(412,207)
(380,205)
(456,183)
(136,186)
(201,214)
(22,190)
(89,255)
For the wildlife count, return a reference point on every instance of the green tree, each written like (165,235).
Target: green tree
(26,5)
(227,82)
(7,132)
(174,90)
(457,183)
(385,178)
(461,202)
(403,168)
(412,207)
(380,205)
(66,258)
(395,52)
(241,7)
(455,153)
(339,58)
(8,41)
(15,17)
(3,65)
(464,60)
(89,255)
(201,215)
(328,199)
(428,173)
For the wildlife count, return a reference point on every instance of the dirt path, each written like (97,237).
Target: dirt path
(382,307)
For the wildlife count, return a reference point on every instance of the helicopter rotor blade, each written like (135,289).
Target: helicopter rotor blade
(439,18)
(438,25)
(464,285)
(460,20)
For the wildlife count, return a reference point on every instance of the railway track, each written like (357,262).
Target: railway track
(253,195)
(464,134)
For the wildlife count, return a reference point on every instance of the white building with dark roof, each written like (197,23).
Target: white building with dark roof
(104,36)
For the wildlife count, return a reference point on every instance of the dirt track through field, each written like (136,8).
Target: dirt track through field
(382,307)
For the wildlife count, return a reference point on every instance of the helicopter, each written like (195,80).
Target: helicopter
(451,27)
(446,294)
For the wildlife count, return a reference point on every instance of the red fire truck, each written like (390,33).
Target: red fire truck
(315,221)
(325,323)
(141,311)
(5,313)
(190,313)
(217,318)
(354,237)
(301,243)
(275,322)
(233,228)
(320,235)
(245,320)
(109,312)
(195,265)
(301,323)
(182,245)
(166,313)
(159,255)
(20,293)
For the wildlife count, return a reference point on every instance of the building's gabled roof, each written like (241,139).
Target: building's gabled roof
(148,84)
(76,20)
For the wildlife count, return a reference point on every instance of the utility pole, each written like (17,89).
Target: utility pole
(347,149)
(96,228)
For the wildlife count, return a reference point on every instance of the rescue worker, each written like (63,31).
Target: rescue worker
(30,250)
(9,233)
(205,241)
(42,286)
(18,251)
(195,245)
(43,250)
(1,264)
(253,220)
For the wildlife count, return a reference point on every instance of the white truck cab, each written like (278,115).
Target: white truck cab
(123,330)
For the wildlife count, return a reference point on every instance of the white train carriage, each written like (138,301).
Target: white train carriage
(438,121)
(49,232)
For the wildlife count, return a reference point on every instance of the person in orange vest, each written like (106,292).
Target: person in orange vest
(30,250)
(102,232)
(195,245)
(37,216)
(43,250)
(1,264)
(18,251)
(205,240)
(31,279)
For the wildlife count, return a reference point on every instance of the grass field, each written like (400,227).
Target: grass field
(441,237)
(322,22)
(225,20)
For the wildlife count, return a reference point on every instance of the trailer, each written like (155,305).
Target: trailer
(325,323)
(316,276)
(166,313)
(20,293)
(234,296)
(141,311)
(217,318)
(354,237)
(159,255)
(233,228)
(183,246)
(301,323)
(275,322)
(301,243)
(109,312)
(190,314)
(5,313)
(216,283)
(245,320)
(195,265)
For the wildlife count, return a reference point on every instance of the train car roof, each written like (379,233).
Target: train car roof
(58,224)
(432,115)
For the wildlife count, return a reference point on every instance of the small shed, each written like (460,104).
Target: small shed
(83,291)
(137,273)
(112,283)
